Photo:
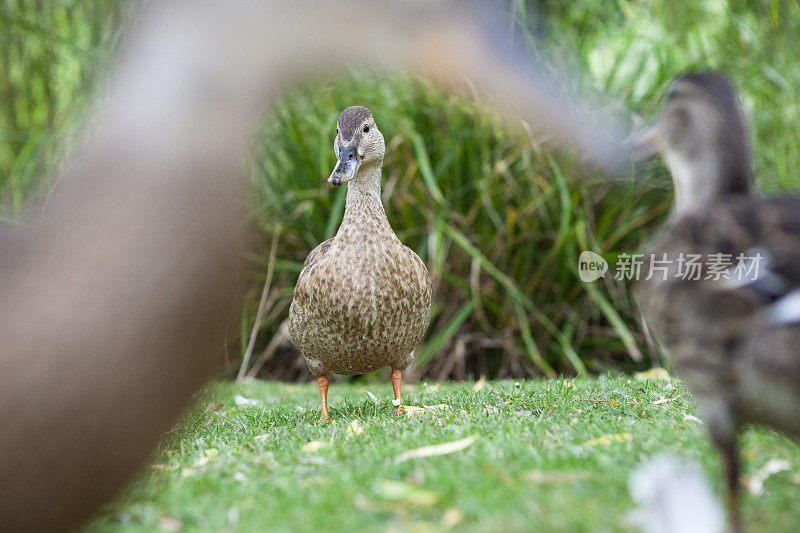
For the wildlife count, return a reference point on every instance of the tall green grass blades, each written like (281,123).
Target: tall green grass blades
(337,211)
(463,242)
(567,330)
(425,168)
(567,349)
(24,170)
(52,53)
(530,345)
(244,321)
(616,321)
(438,341)
(565,202)
(517,296)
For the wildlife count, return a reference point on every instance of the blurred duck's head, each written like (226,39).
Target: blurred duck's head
(702,137)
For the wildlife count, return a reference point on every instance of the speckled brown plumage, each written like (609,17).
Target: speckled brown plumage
(362,300)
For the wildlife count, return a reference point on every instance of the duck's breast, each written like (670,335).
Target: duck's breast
(362,306)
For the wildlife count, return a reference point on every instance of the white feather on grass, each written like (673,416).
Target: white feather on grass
(672,496)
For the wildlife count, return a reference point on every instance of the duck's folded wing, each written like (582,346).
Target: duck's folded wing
(316,254)
(303,291)
(767,364)
(755,245)
(773,272)
(421,273)
(304,286)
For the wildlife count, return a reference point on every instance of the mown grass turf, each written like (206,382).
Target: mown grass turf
(549,455)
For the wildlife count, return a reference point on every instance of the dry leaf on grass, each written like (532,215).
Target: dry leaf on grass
(372,397)
(262,437)
(241,401)
(398,491)
(203,461)
(313,446)
(437,449)
(480,384)
(605,440)
(439,407)
(451,518)
(355,428)
(410,410)
(543,476)
(774,466)
(653,373)
(170,523)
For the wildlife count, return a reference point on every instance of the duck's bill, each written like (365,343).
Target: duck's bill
(344,171)
(645,144)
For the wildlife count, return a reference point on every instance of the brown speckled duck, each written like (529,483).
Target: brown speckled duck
(734,334)
(363,299)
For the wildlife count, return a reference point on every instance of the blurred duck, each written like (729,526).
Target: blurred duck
(363,299)
(731,328)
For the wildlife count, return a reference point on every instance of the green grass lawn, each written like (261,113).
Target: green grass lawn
(549,455)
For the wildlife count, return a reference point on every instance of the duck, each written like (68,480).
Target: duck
(363,299)
(731,326)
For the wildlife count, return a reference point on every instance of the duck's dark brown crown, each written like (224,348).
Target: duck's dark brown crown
(350,119)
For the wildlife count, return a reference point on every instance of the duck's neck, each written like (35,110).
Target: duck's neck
(701,183)
(365,187)
(363,206)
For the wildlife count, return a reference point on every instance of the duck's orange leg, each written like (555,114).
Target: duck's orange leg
(397,377)
(322,381)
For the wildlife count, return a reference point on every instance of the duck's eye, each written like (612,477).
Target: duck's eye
(366,128)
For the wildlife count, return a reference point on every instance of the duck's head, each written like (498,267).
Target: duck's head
(702,136)
(359,144)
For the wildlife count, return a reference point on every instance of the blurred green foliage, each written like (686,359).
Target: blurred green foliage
(497,215)
(631,49)
(51,55)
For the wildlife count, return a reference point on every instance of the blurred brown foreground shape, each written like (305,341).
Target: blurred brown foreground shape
(114,301)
